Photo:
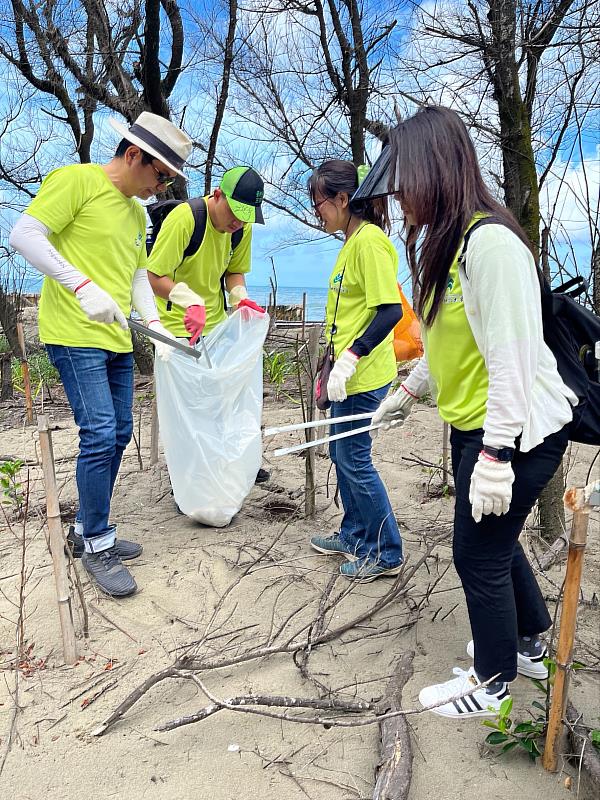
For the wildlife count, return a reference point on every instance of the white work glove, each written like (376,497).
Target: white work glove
(394,410)
(343,369)
(163,351)
(183,296)
(98,305)
(236,295)
(491,487)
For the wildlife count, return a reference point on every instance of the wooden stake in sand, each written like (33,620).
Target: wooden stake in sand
(25,373)
(57,543)
(580,502)
(154,430)
(314,334)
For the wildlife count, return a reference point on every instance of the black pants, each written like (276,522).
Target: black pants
(503,598)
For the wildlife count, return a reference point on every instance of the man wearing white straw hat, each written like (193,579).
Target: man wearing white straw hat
(86,233)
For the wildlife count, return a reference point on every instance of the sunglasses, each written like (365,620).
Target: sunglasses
(162,177)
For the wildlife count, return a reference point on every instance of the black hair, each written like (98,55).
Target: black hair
(336,176)
(436,178)
(125,144)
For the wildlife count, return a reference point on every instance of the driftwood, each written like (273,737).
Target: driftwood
(394,771)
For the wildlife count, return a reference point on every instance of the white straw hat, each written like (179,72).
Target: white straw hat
(159,138)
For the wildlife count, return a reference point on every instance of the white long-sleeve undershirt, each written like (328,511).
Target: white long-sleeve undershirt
(29,237)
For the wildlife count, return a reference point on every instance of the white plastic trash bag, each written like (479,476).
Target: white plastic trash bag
(209,419)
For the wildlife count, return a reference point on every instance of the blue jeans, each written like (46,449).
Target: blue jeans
(99,387)
(368,527)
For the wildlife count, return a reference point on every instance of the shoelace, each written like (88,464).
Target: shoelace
(110,558)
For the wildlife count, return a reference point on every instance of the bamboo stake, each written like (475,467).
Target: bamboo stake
(313,357)
(25,373)
(575,500)
(154,430)
(57,543)
(303,313)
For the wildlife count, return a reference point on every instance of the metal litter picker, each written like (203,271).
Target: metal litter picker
(284,451)
(184,348)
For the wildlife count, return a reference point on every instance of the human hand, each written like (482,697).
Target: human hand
(163,350)
(98,305)
(194,321)
(394,410)
(343,369)
(490,491)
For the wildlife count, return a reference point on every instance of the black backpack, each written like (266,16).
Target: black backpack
(571,331)
(160,210)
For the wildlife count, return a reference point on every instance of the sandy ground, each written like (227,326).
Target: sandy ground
(202,584)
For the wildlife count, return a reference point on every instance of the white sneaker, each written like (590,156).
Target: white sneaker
(477,704)
(530,666)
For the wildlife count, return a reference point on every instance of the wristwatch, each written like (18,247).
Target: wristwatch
(499,453)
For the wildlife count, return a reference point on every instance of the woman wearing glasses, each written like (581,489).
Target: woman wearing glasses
(363,306)
(496,383)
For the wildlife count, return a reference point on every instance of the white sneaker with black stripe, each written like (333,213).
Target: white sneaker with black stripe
(530,666)
(450,702)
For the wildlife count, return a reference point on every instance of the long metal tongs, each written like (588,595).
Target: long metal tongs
(283,451)
(184,348)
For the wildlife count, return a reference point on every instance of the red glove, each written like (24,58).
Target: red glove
(194,321)
(247,303)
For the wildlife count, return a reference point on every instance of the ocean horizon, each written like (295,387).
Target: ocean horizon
(316,297)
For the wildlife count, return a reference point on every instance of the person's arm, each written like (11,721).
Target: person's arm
(506,298)
(29,237)
(387,316)
(161,284)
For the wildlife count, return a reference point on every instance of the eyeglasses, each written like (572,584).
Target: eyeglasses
(317,206)
(163,178)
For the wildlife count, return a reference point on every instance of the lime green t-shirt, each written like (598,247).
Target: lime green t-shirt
(102,233)
(455,363)
(202,271)
(369,263)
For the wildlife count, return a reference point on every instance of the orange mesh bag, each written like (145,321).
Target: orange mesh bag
(407,333)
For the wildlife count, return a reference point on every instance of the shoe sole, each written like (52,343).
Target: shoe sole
(389,573)
(525,669)
(324,552)
(465,715)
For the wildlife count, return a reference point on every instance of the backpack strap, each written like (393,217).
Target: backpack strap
(198,206)
(462,259)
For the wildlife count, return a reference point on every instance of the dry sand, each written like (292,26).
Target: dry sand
(184,572)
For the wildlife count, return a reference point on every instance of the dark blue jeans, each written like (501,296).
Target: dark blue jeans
(368,527)
(503,598)
(99,387)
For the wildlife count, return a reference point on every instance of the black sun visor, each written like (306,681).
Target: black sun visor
(376,182)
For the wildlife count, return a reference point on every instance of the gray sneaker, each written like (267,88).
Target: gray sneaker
(107,569)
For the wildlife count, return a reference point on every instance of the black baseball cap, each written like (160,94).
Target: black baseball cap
(244,189)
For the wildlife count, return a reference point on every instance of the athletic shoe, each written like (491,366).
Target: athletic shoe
(366,571)
(110,574)
(262,476)
(477,704)
(331,546)
(124,549)
(530,666)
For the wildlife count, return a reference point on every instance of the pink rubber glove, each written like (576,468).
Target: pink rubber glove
(247,303)
(194,321)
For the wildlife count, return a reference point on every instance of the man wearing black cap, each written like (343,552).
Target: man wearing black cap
(189,289)
(86,233)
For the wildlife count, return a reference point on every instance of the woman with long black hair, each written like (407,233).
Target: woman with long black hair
(363,306)
(495,382)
